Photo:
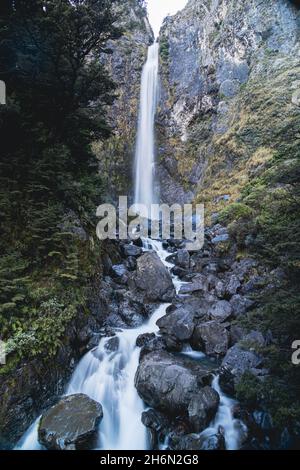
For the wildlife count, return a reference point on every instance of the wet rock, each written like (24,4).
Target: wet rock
(142,340)
(214,441)
(166,383)
(202,408)
(112,344)
(210,337)
(158,425)
(153,278)
(178,325)
(71,424)
(152,345)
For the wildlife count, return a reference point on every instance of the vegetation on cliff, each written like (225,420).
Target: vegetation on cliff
(58,91)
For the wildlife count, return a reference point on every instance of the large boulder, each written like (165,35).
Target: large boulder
(178,325)
(221,310)
(70,424)
(153,279)
(166,383)
(211,337)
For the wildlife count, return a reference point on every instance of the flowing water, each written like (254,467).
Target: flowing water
(106,374)
(145,148)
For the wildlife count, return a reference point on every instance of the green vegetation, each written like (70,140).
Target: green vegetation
(58,91)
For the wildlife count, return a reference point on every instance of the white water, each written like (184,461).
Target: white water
(145,148)
(233,429)
(108,376)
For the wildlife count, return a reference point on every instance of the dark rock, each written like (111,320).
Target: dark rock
(166,383)
(132,250)
(183,259)
(236,362)
(119,273)
(202,408)
(220,310)
(112,344)
(153,278)
(71,424)
(199,284)
(213,442)
(131,263)
(210,337)
(152,345)
(157,423)
(144,339)
(178,325)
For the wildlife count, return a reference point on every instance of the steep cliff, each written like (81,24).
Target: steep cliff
(230,74)
(125,65)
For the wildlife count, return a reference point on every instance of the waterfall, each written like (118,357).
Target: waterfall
(145,148)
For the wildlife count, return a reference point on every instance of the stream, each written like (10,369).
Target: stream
(106,374)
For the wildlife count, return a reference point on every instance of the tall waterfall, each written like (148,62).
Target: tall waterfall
(145,151)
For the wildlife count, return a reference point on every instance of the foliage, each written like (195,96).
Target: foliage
(58,93)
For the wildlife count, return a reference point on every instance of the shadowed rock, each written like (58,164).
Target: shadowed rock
(71,424)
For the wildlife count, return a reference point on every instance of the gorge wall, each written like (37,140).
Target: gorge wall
(229,81)
(125,66)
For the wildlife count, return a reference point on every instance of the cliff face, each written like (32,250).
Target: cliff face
(125,66)
(230,71)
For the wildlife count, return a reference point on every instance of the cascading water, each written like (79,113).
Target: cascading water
(145,148)
(106,374)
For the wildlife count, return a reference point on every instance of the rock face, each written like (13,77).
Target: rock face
(125,65)
(71,424)
(153,278)
(217,57)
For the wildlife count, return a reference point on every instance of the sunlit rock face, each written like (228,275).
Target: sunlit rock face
(211,54)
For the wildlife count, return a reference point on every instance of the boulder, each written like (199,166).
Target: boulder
(166,383)
(71,424)
(144,339)
(211,337)
(236,362)
(153,279)
(178,325)
(221,310)
(198,284)
(183,259)
(202,408)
